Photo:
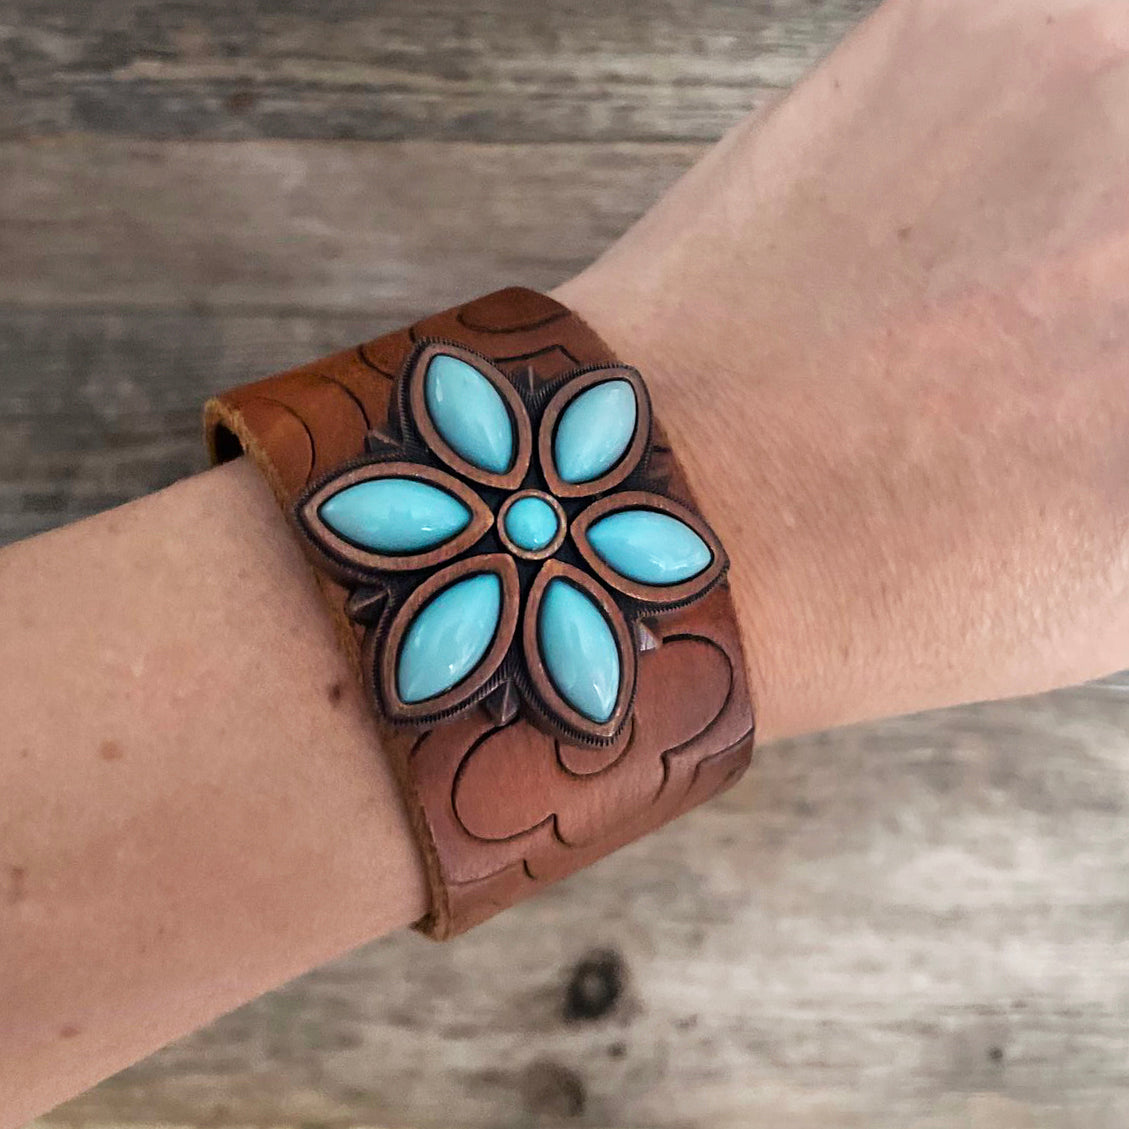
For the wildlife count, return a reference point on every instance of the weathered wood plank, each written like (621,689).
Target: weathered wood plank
(99,407)
(920,923)
(140,276)
(304,226)
(494,70)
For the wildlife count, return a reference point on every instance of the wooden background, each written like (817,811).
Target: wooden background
(915,925)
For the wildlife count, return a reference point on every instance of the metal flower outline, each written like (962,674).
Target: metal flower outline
(505,542)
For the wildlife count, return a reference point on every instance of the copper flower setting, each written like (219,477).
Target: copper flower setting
(505,542)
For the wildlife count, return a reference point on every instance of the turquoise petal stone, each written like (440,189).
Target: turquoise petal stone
(469,412)
(531,523)
(594,431)
(579,650)
(448,637)
(395,515)
(649,546)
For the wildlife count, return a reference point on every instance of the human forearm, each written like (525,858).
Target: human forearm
(894,371)
(195,809)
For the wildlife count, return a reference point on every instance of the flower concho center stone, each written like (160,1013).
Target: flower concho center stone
(531,523)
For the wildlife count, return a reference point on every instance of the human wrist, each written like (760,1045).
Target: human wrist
(733,441)
(865,533)
(524,709)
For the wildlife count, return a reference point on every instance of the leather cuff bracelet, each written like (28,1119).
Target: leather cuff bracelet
(539,616)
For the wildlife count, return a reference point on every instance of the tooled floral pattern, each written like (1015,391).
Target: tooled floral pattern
(397,583)
(498,845)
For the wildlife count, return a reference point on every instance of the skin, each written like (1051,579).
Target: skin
(886,323)
(905,291)
(213,820)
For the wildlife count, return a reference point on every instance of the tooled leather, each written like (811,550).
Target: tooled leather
(502,811)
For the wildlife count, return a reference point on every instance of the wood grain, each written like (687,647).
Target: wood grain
(102,406)
(141,277)
(392,229)
(917,925)
(490,70)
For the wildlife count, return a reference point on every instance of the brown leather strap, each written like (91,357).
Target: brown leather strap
(501,810)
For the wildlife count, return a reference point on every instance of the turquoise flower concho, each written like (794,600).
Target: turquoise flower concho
(506,542)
